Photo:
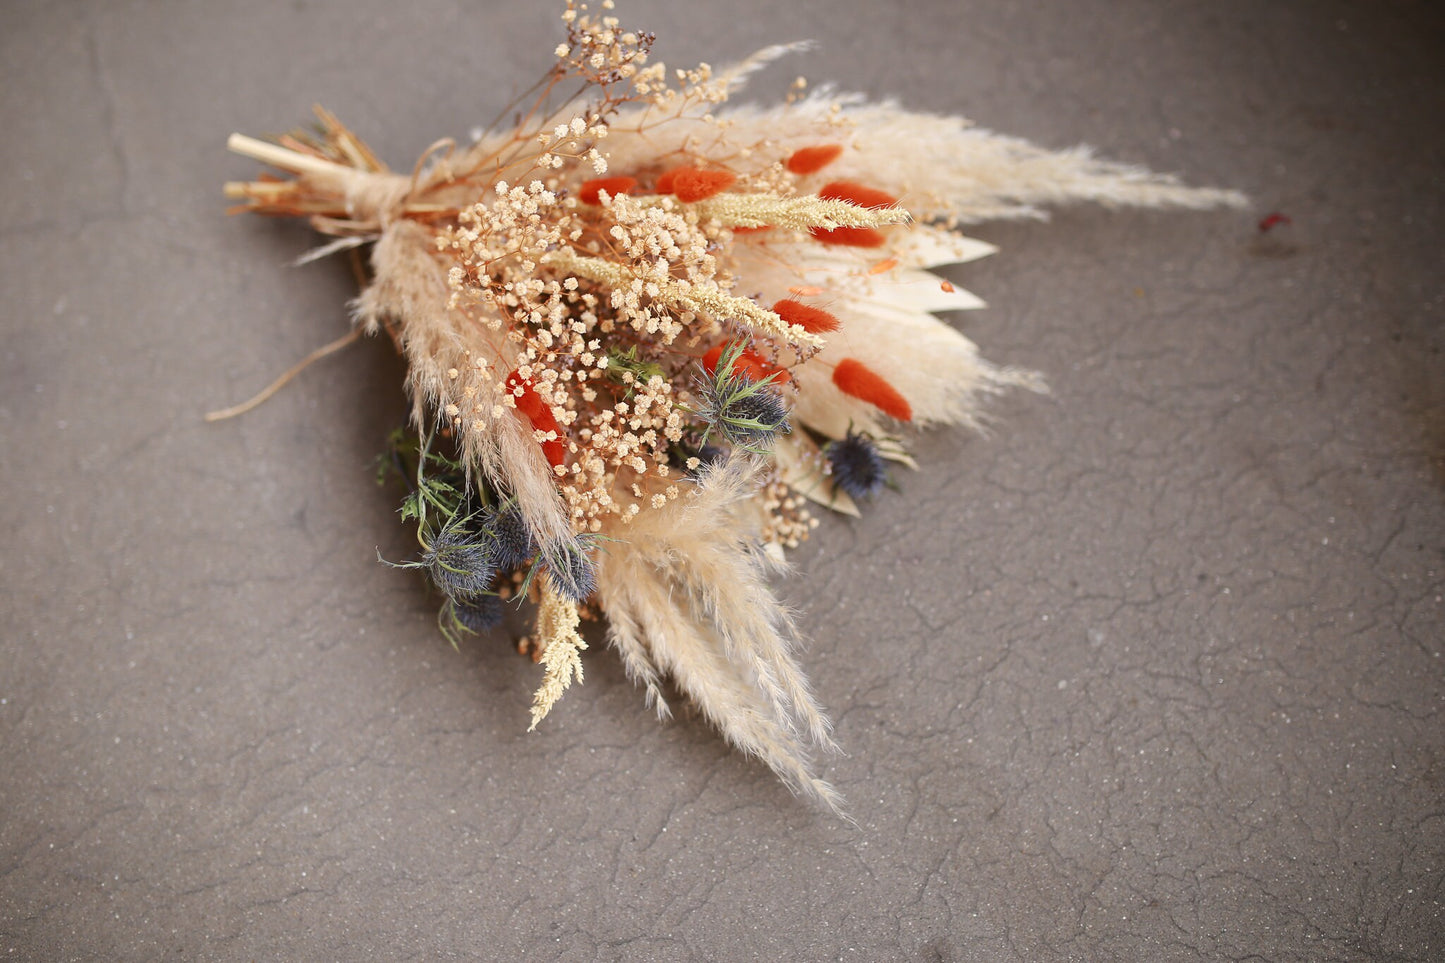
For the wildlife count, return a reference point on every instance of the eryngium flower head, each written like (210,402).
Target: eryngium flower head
(572,570)
(513,545)
(478,614)
(460,562)
(747,413)
(856,465)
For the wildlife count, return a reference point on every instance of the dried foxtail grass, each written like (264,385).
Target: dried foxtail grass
(648,325)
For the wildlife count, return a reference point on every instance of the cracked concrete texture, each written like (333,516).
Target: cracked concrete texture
(1153,672)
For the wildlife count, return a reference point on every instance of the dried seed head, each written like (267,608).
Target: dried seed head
(460,562)
(746,412)
(753,420)
(479,614)
(512,542)
(856,465)
(572,571)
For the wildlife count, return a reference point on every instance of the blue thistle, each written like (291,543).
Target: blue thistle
(471,616)
(856,464)
(573,572)
(478,614)
(459,562)
(513,545)
(745,412)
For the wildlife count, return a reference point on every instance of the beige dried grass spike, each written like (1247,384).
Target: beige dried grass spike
(561,645)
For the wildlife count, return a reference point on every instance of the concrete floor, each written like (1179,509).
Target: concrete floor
(1152,673)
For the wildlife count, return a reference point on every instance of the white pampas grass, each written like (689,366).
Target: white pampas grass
(690,589)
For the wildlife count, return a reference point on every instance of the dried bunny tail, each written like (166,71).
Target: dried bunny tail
(689,651)
(707,298)
(797,213)
(703,544)
(409,296)
(562,647)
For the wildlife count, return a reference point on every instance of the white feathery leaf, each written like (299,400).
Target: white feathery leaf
(926,246)
(909,290)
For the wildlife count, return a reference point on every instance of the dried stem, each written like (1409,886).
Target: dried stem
(289,160)
(350,337)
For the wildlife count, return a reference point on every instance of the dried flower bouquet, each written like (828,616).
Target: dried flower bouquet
(642,329)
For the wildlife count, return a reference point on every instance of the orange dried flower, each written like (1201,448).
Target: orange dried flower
(855,378)
(849,236)
(749,364)
(539,413)
(589,190)
(809,160)
(859,194)
(810,319)
(689,184)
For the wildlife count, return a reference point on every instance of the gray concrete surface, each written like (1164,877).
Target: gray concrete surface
(1153,673)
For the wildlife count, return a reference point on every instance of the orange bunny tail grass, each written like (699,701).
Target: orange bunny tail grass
(691,185)
(749,364)
(859,194)
(855,378)
(849,236)
(810,160)
(539,413)
(810,319)
(862,196)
